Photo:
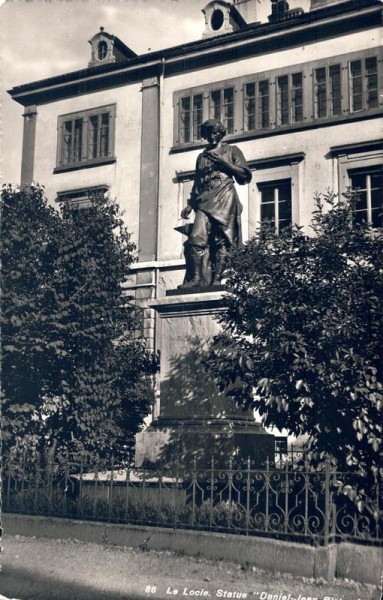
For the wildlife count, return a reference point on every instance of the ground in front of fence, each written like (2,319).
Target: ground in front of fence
(48,569)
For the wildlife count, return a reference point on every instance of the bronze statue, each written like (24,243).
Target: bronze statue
(217,223)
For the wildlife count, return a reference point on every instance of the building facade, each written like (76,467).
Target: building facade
(300,94)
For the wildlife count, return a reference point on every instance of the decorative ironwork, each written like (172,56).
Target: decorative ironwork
(282,501)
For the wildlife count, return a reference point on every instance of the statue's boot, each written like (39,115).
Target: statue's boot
(220,259)
(196,256)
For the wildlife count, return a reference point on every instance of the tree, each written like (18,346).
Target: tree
(77,378)
(302,338)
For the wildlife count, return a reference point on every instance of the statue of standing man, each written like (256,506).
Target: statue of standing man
(217,223)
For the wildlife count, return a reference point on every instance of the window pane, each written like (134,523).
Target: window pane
(377,207)
(297,98)
(276,204)
(92,136)
(67,142)
(268,212)
(77,146)
(104,135)
(264,106)
(377,181)
(377,199)
(228,110)
(356,85)
(361,207)
(335,90)
(185,120)
(358,180)
(284,193)
(320,92)
(268,194)
(283,100)
(372,82)
(197,116)
(249,107)
(215,105)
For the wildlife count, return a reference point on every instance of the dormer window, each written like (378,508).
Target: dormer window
(102,50)
(216,19)
(222,17)
(107,48)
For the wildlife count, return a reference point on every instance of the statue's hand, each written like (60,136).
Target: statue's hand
(186,212)
(217,159)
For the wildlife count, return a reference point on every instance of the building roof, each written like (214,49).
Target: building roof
(255,38)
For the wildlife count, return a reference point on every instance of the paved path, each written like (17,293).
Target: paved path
(46,569)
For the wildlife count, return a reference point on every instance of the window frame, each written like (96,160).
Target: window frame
(364,85)
(368,172)
(290,97)
(275,184)
(80,198)
(85,159)
(262,108)
(308,112)
(352,158)
(275,170)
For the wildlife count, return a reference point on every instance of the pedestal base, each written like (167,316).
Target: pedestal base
(198,443)
(196,423)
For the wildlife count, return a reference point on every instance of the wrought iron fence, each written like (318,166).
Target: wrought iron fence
(282,502)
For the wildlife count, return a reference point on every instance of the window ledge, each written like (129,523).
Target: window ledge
(96,162)
(258,163)
(281,129)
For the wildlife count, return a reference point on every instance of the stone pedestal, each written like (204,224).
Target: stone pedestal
(195,422)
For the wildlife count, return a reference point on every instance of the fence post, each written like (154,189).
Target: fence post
(287,497)
(111,490)
(37,486)
(211,491)
(95,487)
(267,481)
(248,485)
(9,483)
(327,515)
(22,479)
(127,481)
(194,485)
(230,498)
(80,485)
(66,477)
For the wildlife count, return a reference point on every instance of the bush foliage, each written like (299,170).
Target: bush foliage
(77,377)
(302,339)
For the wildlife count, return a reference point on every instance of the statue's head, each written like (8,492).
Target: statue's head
(212,126)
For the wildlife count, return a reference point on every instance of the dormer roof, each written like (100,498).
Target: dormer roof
(107,48)
(221,17)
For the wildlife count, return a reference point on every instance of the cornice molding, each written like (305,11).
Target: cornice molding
(254,39)
(367,146)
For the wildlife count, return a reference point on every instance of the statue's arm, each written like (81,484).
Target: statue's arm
(191,204)
(234,164)
(243,174)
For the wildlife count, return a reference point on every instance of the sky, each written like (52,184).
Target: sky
(44,38)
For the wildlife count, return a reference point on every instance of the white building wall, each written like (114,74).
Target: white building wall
(318,171)
(123,176)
